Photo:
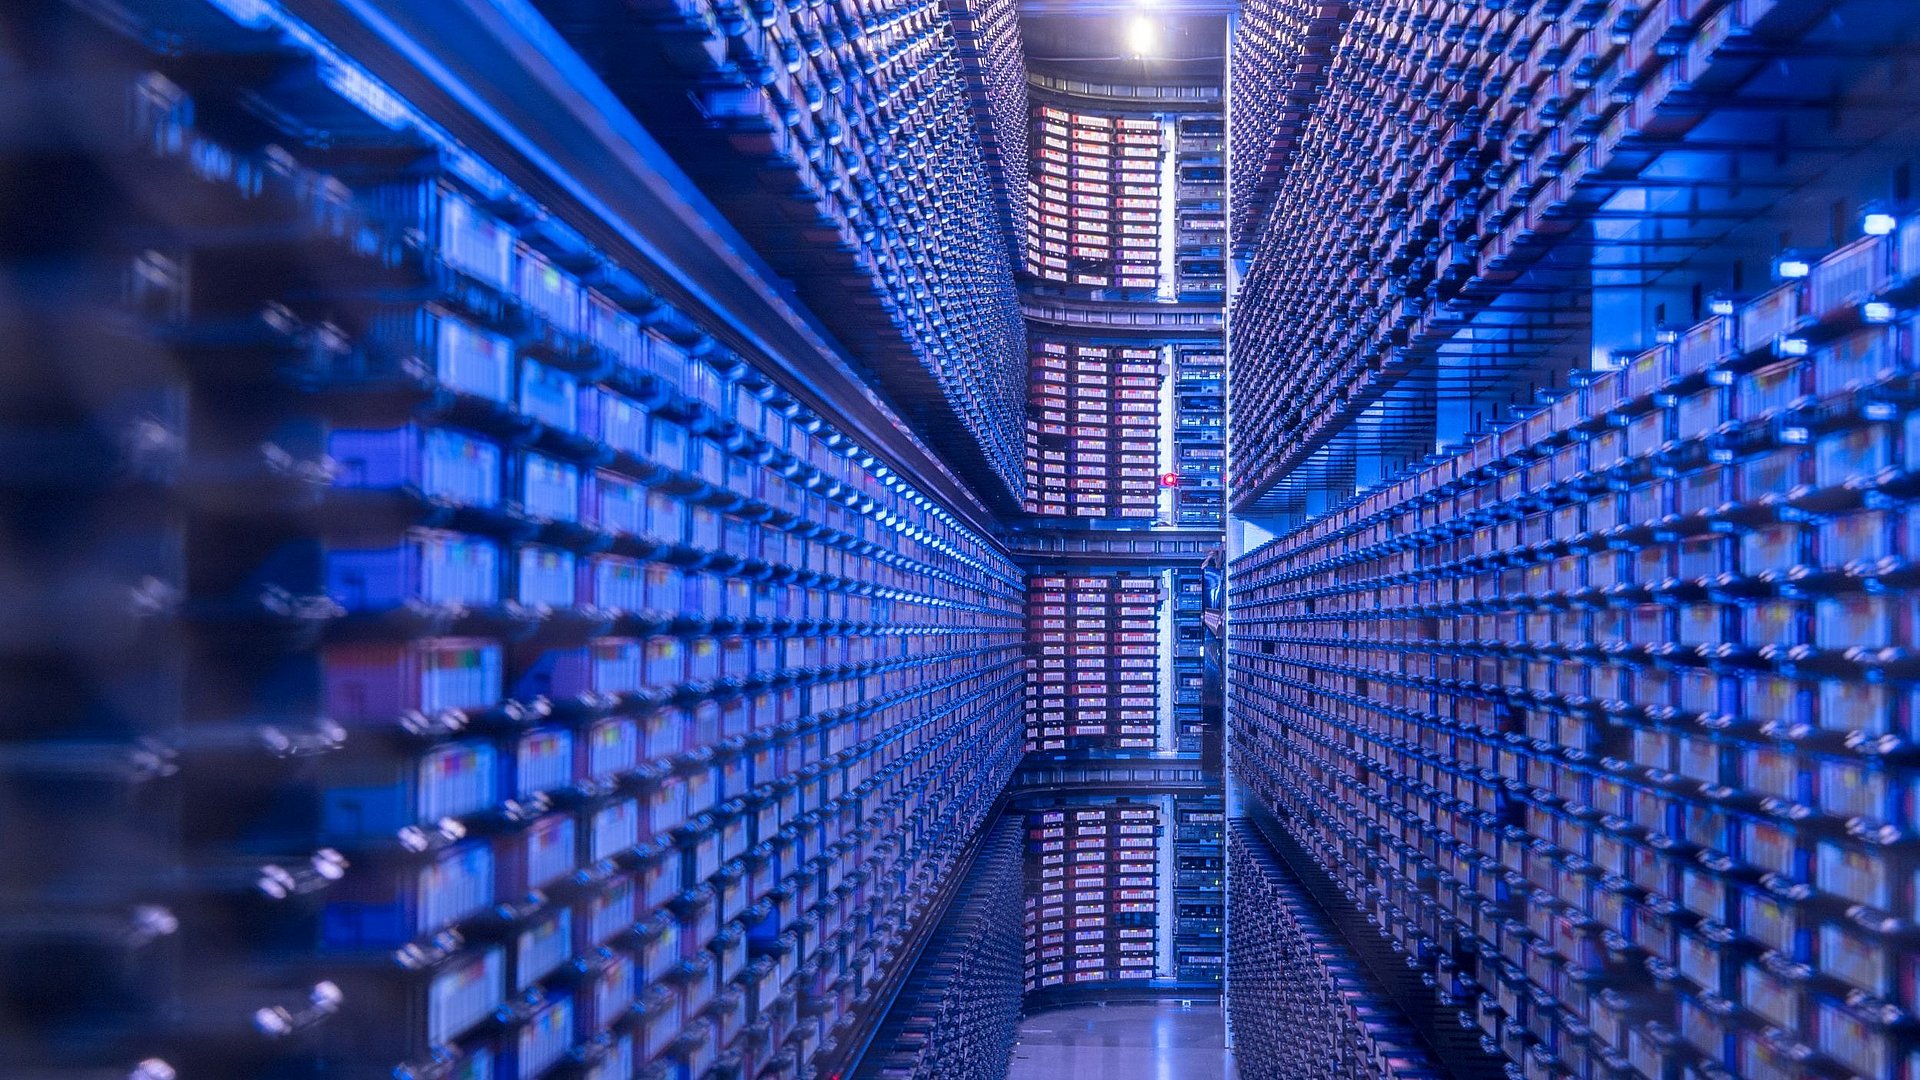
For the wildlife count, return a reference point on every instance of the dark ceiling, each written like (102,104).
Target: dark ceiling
(1093,44)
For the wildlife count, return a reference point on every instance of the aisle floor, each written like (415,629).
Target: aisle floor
(1162,1041)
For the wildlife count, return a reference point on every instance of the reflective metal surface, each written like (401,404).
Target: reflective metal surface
(1160,1041)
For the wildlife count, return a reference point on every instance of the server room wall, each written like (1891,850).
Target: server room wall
(957,1015)
(843,139)
(435,655)
(1602,715)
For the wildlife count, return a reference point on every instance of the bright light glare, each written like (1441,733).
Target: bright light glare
(1142,36)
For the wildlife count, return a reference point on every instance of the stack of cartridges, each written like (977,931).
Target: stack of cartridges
(1093,677)
(1093,431)
(1612,714)
(1093,200)
(461,649)
(1093,892)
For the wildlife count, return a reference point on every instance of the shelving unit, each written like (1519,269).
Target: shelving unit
(1281,53)
(1606,713)
(1093,667)
(1093,203)
(1300,1000)
(987,36)
(1533,165)
(1094,892)
(1199,435)
(1189,661)
(1200,208)
(1199,911)
(959,1013)
(1093,431)
(489,670)
(862,151)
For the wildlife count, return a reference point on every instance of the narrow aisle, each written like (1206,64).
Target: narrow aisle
(1162,1041)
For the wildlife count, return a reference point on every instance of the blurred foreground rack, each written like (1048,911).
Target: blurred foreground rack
(439,645)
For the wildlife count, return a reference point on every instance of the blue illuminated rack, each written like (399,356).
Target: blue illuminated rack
(1607,717)
(1464,173)
(959,1011)
(1301,1001)
(501,661)
(863,150)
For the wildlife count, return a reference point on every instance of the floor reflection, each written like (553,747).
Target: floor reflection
(1162,1041)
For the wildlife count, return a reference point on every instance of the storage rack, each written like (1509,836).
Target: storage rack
(1093,201)
(1124,273)
(1518,152)
(1388,986)
(987,36)
(858,147)
(1299,1002)
(1279,66)
(1609,716)
(1199,435)
(1200,208)
(1093,430)
(547,691)
(957,1017)
(1189,660)
(1199,900)
(1093,892)
(1093,678)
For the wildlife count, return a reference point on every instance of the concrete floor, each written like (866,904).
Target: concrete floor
(1161,1041)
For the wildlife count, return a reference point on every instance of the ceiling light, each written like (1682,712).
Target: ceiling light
(1142,36)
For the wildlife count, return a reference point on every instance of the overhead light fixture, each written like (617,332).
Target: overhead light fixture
(1142,36)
